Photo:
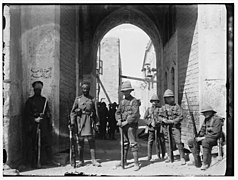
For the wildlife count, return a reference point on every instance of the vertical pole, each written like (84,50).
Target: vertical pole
(77,50)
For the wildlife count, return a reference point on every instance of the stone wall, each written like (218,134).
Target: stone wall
(12,97)
(170,61)
(213,57)
(110,51)
(67,70)
(188,66)
(34,55)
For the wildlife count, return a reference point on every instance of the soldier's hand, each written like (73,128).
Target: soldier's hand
(38,119)
(41,115)
(124,123)
(96,127)
(153,124)
(119,123)
(71,126)
(78,111)
(170,122)
(165,121)
(199,138)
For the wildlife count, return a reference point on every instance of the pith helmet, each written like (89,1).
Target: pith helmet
(154,98)
(168,93)
(206,108)
(126,86)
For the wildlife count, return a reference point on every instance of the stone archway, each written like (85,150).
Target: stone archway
(135,17)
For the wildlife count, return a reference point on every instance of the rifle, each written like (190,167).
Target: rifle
(197,158)
(122,143)
(72,151)
(170,153)
(38,131)
(38,145)
(156,137)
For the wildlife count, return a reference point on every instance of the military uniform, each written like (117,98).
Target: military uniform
(33,109)
(128,114)
(83,117)
(211,129)
(172,115)
(151,113)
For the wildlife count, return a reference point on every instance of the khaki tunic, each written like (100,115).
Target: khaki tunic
(83,115)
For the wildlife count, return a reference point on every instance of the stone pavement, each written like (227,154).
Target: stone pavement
(108,153)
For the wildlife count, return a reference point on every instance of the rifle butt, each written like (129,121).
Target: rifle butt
(170,145)
(39,147)
(156,143)
(197,158)
(122,149)
(70,147)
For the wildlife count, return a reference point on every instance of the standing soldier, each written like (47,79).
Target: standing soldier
(127,116)
(84,119)
(154,128)
(37,114)
(210,131)
(171,116)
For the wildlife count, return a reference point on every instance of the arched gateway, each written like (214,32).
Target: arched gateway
(136,17)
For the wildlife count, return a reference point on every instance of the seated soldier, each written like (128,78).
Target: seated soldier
(210,131)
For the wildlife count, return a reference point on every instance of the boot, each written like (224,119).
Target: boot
(136,163)
(94,161)
(168,160)
(204,166)
(149,152)
(182,160)
(80,154)
(125,159)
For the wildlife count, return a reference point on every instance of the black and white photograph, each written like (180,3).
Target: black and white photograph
(122,89)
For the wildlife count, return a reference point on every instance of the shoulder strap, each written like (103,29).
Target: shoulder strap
(132,101)
(43,112)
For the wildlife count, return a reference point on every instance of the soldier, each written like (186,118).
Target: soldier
(210,131)
(35,114)
(84,119)
(127,116)
(171,115)
(154,128)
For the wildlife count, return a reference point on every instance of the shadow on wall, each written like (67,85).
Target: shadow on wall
(187,39)
(188,54)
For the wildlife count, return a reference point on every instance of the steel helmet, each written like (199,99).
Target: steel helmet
(154,98)
(206,108)
(126,86)
(168,93)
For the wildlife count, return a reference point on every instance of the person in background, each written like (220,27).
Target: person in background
(103,115)
(112,120)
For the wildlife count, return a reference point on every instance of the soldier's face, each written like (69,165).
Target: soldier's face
(37,91)
(85,89)
(207,114)
(155,103)
(126,93)
(169,100)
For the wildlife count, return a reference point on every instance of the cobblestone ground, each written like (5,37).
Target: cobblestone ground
(108,153)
